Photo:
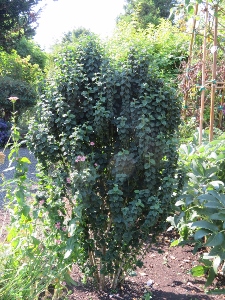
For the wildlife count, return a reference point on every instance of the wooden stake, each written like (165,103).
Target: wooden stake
(213,86)
(204,53)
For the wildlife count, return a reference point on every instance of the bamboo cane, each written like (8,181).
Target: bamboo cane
(203,74)
(213,86)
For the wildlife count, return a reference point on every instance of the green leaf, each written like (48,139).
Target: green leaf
(174,243)
(198,271)
(210,277)
(221,198)
(69,280)
(218,216)
(206,197)
(201,233)
(215,240)
(205,224)
(197,168)
(25,160)
(190,9)
(214,204)
(35,241)
(216,251)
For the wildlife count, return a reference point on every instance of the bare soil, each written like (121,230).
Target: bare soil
(167,268)
(165,275)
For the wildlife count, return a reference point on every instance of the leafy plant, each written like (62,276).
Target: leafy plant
(29,49)
(165,43)
(104,136)
(200,208)
(30,263)
(16,67)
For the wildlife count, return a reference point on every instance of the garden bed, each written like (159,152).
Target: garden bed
(167,267)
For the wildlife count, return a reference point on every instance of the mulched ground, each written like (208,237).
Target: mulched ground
(166,270)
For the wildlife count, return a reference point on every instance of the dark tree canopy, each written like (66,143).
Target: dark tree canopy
(147,11)
(17,19)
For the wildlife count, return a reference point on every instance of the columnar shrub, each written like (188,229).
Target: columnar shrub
(105,135)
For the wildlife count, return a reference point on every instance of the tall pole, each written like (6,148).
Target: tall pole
(213,85)
(204,54)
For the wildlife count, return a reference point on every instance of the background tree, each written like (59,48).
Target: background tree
(74,34)
(17,18)
(147,11)
(165,43)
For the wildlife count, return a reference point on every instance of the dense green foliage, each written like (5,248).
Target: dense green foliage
(167,46)
(200,206)
(105,134)
(25,48)
(17,19)
(145,12)
(20,78)
(16,67)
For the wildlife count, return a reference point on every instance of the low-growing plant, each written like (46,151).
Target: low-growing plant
(105,137)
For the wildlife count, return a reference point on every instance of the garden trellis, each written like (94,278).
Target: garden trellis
(206,14)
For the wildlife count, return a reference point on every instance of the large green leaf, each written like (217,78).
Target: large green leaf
(201,233)
(205,224)
(211,277)
(215,240)
(216,251)
(207,197)
(218,216)
(213,204)
(221,198)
